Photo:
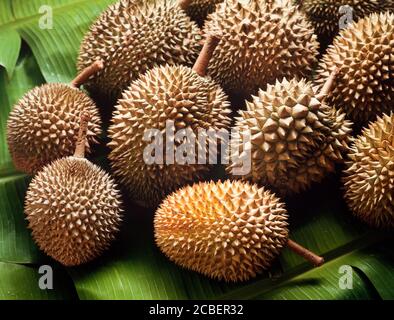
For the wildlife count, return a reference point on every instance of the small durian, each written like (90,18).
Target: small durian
(229,231)
(165,94)
(325,15)
(364,87)
(198,10)
(369,177)
(41,126)
(133,36)
(260,42)
(295,138)
(73,207)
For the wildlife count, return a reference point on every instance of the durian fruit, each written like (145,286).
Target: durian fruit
(369,177)
(228,231)
(198,10)
(364,55)
(133,36)
(40,127)
(164,94)
(260,42)
(73,207)
(325,15)
(294,138)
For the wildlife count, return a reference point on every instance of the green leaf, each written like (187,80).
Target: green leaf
(54,31)
(16,244)
(9,53)
(20,282)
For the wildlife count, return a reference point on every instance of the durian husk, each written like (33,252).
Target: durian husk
(295,138)
(198,10)
(133,36)
(369,175)
(363,53)
(167,93)
(42,126)
(260,42)
(229,231)
(74,210)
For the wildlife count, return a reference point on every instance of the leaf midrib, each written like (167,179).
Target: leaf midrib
(21,21)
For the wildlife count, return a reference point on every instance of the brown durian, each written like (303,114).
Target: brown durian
(73,207)
(325,15)
(363,53)
(167,93)
(228,231)
(369,177)
(41,126)
(133,36)
(295,138)
(260,42)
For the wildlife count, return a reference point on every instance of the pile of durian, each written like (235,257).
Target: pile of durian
(194,62)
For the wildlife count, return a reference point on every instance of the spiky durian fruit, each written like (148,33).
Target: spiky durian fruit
(73,208)
(295,138)
(369,177)
(364,55)
(229,231)
(198,10)
(133,36)
(41,126)
(325,15)
(260,42)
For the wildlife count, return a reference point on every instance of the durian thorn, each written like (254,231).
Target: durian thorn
(329,84)
(201,65)
(305,253)
(81,142)
(87,73)
(184,4)
(245,25)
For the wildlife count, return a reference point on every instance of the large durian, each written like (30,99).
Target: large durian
(364,55)
(229,231)
(260,42)
(164,94)
(369,177)
(198,10)
(293,137)
(73,207)
(41,126)
(133,36)
(326,15)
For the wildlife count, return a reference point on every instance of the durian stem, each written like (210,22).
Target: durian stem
(305,253)
(81,142)
(329,83)
(184,4)
(201,65)
(87,73)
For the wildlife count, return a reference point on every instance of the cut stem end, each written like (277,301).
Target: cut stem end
(201,65)
(84,76)
(313,258)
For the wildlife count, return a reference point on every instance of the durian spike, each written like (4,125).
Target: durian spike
(81,142)
(87,73)
(305,253)
(328,85)
(201,65)
(184,4)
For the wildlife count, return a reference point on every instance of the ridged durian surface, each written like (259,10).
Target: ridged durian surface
(131,37)
(369,177)
(167,93)
(363,53)
(42,126)
(229,231)
(74,210)
(260,42)
(198,10)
